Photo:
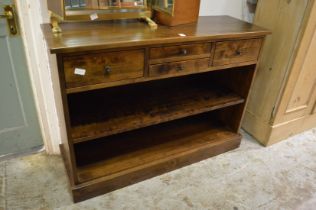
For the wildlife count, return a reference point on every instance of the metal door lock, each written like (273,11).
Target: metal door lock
(9,14)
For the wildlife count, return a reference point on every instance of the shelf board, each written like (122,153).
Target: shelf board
(161,147)
(121,113)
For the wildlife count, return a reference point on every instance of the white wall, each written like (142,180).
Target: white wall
(222,7)
(234,8)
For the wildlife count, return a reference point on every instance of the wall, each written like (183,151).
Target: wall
(235,8)
(42,65)
(222,7)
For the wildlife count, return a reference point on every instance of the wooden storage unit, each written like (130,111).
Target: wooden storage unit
(141,107)
(283,98)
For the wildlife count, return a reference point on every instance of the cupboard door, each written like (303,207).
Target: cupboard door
(300,94)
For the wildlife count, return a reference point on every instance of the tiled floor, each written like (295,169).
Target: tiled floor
(252,177)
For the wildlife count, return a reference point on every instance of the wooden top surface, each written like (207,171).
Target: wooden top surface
(111,34)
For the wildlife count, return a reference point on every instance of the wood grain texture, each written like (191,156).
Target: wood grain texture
(157,150)
(179,53)
(164,105)
(157,77)
(103,67)
(113,34)
(229,52)
(101,186)
(287,20)
(299,95)
(240,80)
(184,12)
(175,68)
(296,112)
(67,148)
(122,153)
(118,110)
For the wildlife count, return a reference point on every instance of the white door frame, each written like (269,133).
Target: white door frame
(43,73)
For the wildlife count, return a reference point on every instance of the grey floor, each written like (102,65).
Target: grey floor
(252,177)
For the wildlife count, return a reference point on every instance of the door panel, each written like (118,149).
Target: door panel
(11,110)
(299,97)
(285,19)
(304,89)
(19,128)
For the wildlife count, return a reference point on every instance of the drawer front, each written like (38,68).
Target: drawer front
(230,52)
(179,52)
(96,68)
(179,67)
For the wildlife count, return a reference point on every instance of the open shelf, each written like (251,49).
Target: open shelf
(162,147)
(112,111)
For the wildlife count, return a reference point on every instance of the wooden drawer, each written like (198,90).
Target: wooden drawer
(179,67)
(179,52)
(230,52)
(95,68)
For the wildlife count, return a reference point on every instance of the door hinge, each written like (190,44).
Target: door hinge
(272,115)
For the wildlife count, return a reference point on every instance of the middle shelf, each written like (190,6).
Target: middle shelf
(105,112)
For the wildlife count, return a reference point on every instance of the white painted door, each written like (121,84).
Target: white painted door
(19,127)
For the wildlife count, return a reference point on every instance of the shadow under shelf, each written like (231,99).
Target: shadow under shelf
(110,111)
(153,150)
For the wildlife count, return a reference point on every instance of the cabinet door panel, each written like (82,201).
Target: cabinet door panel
(300,95)
(303,96)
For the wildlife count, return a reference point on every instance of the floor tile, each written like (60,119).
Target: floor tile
(36,182)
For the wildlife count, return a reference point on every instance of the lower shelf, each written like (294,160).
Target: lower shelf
(124,159)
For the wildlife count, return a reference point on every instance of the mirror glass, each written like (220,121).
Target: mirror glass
(103,4)
(163,5)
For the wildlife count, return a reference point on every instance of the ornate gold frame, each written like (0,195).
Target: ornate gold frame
(157,8)
(59,14)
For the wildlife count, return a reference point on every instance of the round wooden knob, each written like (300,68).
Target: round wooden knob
(184,52)
(180,68)
(164,68)
(107,70)
(238,52)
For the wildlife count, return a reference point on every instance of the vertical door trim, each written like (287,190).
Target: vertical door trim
(31,15)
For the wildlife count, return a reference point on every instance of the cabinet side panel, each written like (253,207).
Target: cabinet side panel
(67,146)
(239,81)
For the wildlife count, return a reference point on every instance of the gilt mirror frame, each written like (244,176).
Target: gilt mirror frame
(106,13)
(59,13)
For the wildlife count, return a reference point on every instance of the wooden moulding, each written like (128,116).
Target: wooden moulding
(153,78)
